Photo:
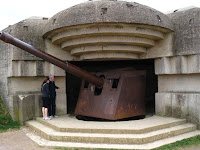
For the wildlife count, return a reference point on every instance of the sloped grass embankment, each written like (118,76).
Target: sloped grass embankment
(6,121)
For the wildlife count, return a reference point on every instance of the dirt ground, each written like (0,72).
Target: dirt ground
(17,140)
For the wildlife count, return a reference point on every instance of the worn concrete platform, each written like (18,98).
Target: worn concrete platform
(148,133)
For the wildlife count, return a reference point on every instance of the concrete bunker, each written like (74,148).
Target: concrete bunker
(111,32)
(99,35)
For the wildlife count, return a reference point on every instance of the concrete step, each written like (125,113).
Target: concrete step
(109,138)
(46,143)
(71,124)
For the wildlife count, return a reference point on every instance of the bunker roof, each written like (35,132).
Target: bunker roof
(106,11)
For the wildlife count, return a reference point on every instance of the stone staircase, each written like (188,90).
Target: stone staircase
(147,133)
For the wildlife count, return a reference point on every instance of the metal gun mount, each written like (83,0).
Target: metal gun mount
(111,95)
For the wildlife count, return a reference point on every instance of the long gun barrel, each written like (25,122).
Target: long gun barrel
(74,70)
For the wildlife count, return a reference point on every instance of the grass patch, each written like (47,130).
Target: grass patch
(6,121)
(185,143)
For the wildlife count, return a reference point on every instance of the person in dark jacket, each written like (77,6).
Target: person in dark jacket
(45,98)
(52,89)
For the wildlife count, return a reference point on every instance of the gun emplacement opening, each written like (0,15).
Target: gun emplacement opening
(112,95)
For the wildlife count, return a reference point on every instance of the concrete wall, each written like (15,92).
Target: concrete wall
(178,76)
(5,54)
(22,73)
(178,87)
(187,29)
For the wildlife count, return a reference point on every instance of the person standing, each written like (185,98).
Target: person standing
(45,98)
(52,89)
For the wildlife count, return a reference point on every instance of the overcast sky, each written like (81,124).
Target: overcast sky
(13,11)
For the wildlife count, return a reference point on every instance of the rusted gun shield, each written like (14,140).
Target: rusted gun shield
(122,96)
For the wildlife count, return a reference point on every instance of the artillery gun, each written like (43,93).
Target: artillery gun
(111,95)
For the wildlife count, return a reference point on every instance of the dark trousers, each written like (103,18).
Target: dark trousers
(52,107)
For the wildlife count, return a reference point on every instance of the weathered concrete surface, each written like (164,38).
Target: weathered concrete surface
(149,133)
(30,84)
(187,29)
(162,48)
(179,105)
(24,139)
(163,104)
(185,64)
(179,83)
(87,29)
(112,41)
(25,101)
(24,30)
(5,54)
(28,107)
(178,87)
(108,11)
(30,31)
(56,51)
(22,73)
